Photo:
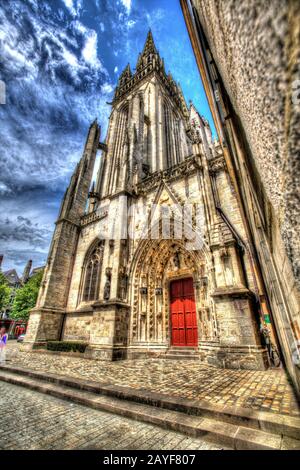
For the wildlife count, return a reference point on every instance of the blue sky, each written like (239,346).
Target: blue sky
(60,61)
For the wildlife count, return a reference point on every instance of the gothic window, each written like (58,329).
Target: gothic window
(92,273)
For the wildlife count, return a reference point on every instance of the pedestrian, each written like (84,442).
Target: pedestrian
(266,337)
(3,342)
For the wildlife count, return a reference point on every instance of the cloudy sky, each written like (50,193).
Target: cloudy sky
(60,60)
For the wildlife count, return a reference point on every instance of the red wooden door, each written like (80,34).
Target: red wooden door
(183,313)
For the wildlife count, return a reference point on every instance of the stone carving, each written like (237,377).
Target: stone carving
(187,167)
(217,164)
(107,286)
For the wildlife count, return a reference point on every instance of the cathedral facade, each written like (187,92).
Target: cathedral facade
(153,259)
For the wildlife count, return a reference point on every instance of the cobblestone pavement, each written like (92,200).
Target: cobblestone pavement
(35,421)
(260,390)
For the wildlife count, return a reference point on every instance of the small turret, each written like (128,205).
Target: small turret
(125,75)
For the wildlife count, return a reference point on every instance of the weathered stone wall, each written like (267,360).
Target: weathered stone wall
(256,46)
(77,327)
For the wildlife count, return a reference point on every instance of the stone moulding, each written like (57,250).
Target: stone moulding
(110,303)
(92,217)
(241,292)
(189,166)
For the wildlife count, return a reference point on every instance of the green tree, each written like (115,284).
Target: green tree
(5,293)
(26,298)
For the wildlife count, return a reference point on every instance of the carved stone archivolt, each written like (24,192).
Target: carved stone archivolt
(157,264)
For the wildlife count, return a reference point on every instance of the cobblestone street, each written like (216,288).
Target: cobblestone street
(260,390)
(31,420)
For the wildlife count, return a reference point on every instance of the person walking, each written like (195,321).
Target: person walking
(3,343)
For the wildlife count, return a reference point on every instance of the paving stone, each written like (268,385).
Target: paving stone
(267,390)
(77,427)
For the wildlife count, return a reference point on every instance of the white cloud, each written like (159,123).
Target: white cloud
(4,189)
(130,24)
(116,69)
(102,27)
(106,88)
(73,6)
(89,52)
(127,5)
(79,27)
(70,58)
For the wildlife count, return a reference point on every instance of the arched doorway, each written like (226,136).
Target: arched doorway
(165,274)
(184,328)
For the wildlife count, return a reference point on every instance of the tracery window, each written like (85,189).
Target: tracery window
(92,273)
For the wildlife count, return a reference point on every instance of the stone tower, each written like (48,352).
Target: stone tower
(153,258)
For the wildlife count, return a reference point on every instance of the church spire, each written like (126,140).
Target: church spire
(149,44)
(149,48)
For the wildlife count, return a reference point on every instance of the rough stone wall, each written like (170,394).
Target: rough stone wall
(256,46)
(45,325)
(87,237)
(234,324)
(77,327)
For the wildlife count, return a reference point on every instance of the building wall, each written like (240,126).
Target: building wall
(248,56)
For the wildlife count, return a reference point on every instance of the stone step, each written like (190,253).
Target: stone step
(179,356)
(273,423)
(181,353)
(184,350)
(231,435)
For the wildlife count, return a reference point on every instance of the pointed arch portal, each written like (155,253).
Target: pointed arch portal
(169,294)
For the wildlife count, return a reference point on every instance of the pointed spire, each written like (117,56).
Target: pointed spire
(149,44)
(149,48)
(126,74)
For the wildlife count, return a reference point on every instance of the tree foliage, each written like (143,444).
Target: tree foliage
(26,297)
(5,293)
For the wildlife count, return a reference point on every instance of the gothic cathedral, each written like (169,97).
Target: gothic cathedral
(153,259)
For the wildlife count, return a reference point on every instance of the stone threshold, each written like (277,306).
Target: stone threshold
(238,427)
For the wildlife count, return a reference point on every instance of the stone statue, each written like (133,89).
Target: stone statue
(107,286)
